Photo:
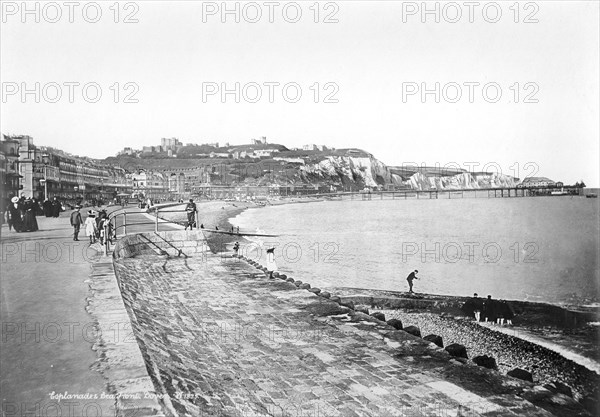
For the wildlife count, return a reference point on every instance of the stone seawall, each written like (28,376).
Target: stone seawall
(173,243)
(220,338)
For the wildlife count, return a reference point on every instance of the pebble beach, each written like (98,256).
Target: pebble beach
(510,352)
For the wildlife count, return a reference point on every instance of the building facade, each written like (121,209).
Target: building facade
(45,172)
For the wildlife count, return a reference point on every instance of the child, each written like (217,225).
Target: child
(90,226)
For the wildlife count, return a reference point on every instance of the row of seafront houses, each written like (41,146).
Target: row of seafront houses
(45,172)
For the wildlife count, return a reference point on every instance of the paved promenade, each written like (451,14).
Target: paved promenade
(48,338)
(217,338)
(47,335)
(221,339)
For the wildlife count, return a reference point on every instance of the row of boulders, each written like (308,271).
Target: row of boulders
(456,350)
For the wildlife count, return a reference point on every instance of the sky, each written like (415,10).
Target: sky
(508,88)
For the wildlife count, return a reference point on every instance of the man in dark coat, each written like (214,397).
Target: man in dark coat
(56,207)
(47,208)
(477,306)
(490,309)
(190,208)
(410,278)
(76,222)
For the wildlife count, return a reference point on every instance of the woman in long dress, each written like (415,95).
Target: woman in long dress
(271,265)
(14,215)
(90,226)
(30,208)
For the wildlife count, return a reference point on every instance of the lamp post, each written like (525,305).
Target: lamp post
(45,160)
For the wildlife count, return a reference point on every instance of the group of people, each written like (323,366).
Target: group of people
(20,214)
(52,208)
(489,310)
(97,225)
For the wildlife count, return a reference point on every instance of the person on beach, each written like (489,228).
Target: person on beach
(505,312)
(489,309)
(236,248)
(412,276)
(91,227)
(190,209)
(76,222)
(473,307)
(271,265)
(237,229)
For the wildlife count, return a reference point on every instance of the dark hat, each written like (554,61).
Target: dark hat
(272,250)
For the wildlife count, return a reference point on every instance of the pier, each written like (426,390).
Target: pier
(453,194)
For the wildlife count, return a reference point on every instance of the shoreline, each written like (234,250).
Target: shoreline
(220,213)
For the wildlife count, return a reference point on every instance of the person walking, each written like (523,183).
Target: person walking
(56,207)
(91,226)
(14,215)
(271,265)
(190,209)
(76,222)
(30,208)
(412,276)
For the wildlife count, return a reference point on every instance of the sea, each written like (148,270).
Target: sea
(542,249)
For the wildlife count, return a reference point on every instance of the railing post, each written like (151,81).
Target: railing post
(156,223)
(106,237)
(124,224)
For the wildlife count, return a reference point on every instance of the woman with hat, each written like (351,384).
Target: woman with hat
(90,226)
(30,208)
(14,215)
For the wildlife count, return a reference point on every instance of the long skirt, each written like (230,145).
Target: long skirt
(29,222)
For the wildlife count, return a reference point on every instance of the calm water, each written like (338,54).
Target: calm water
(537,249)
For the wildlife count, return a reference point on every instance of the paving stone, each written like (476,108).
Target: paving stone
(221,339)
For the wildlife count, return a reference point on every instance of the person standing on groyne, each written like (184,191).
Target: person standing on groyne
(412,276)
(190,209)
(271,265)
